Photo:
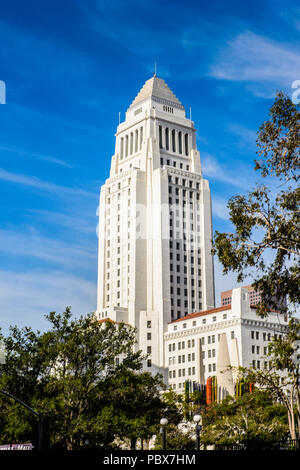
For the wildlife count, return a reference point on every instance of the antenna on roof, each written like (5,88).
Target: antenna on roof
(119,117)
(154,69)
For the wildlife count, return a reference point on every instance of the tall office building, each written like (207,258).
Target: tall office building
(155,229)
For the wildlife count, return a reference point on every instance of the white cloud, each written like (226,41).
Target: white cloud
(32,245)
(248,136)
(233,176)
(79,222)
(37,156)
(41,185)
(220,209)
(253,58)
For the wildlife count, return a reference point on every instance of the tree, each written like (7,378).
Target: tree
(252,419)
(139,404)
(266,240)
(85,377)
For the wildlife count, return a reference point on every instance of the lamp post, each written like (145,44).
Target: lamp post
(197,419)
(163,423)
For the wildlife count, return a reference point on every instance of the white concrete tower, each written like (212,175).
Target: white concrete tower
(155,224)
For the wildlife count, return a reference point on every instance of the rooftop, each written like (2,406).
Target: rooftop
(201,314)
(158,90)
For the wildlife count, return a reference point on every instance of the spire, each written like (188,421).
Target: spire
(157,89)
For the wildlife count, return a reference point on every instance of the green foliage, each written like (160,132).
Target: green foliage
(282,379)
(85,378)
(278,141)
(252,418)
(177,438)
(266,240)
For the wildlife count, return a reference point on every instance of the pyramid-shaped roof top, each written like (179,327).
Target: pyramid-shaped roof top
(157,89)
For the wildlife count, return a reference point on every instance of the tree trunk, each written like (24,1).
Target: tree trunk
(291,419)
(133,443)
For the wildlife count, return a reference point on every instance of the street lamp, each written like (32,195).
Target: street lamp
(197,419)
(163,423)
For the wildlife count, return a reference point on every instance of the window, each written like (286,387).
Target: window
(173,141)
(167,139)
(160,139)
(131,143)
(186,145)
(122,147)
(141,137)
(179,142)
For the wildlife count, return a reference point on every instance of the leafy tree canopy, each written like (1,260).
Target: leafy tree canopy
(86,380)
(265,242)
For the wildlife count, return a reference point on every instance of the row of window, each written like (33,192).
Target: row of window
(182,372)
(203,321)
(180,385)
(183,181)
(181,345)
(184,225)
(178,191)
(265,336)
(257,349)
(257,364)
(174,164)
(117,186)
(173,140)
(184,292)
(131,143)
(211,339)
(168,109)
(190,357)
(190,371)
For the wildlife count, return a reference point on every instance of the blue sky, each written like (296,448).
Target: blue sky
(70,67)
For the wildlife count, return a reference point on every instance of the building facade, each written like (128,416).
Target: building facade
(154,258)
(255,298)
(206,344)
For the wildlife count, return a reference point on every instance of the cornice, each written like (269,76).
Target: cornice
(182,333)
